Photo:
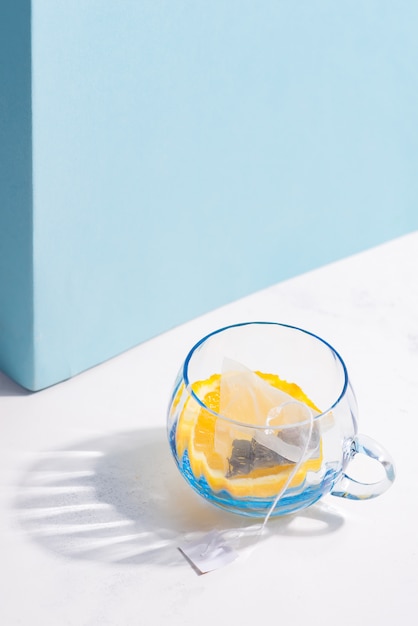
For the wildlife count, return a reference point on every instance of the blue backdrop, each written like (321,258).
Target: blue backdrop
(181,154)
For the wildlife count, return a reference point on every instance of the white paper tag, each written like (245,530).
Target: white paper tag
(209,552)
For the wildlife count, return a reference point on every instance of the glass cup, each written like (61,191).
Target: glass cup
(263,421)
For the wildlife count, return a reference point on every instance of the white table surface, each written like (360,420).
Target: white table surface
(92,508)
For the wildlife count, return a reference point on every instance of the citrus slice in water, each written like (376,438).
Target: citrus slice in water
(249,470)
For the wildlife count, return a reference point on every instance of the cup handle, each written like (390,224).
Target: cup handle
(347,487)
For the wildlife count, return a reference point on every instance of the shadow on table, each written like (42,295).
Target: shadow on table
(121,499)
(9,388)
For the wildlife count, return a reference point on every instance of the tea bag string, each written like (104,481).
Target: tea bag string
(293,473)
(214,550)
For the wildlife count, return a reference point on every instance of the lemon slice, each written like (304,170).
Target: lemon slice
(250,470)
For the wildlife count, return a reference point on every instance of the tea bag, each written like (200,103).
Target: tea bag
(292,438)
(285,434)
(246,398)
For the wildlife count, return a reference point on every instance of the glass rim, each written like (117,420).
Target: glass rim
(204,339)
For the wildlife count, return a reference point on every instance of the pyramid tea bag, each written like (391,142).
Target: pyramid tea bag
(245,397)
(289,432)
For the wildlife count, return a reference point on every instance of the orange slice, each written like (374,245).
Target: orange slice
(196,431)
